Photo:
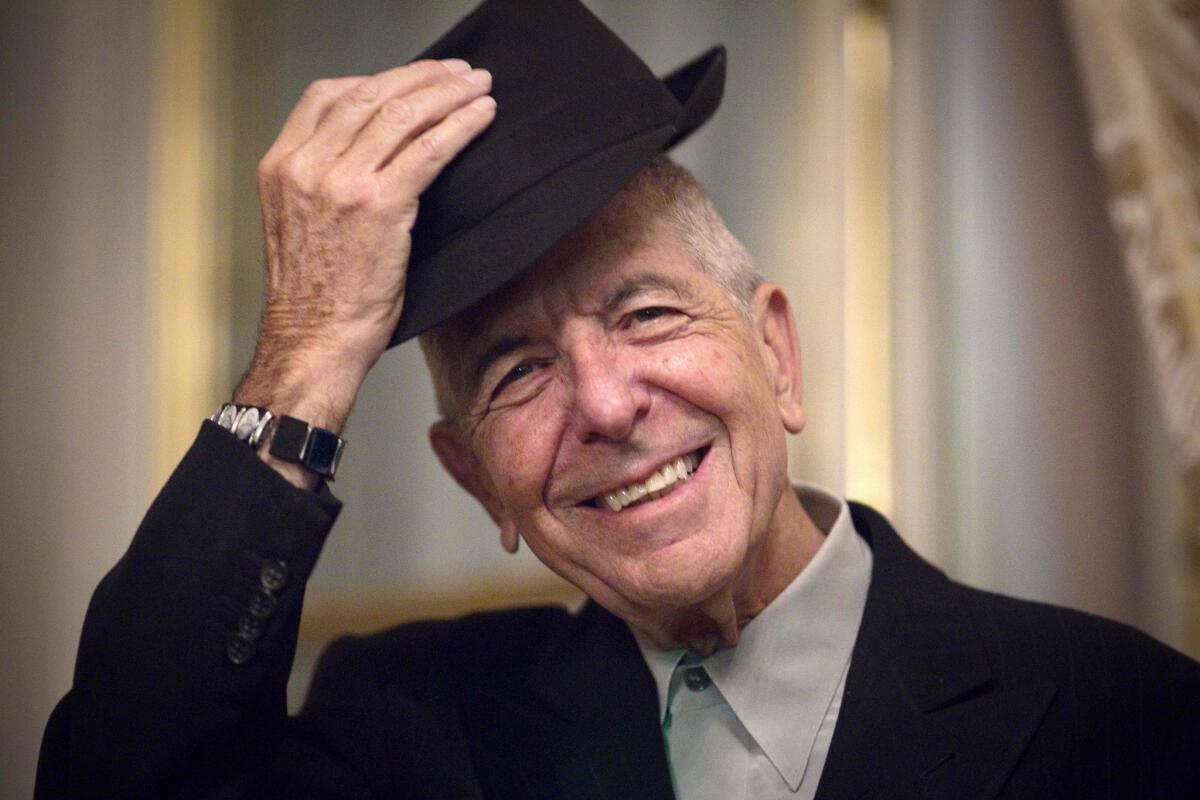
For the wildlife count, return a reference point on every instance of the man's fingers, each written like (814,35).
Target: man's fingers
(358,104)
(316,101)
(402,119)
(417,164)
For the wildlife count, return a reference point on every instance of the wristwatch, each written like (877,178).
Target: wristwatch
(291,439)
(248,423)
(315,448)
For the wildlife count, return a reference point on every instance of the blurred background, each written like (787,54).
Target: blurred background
(985,212)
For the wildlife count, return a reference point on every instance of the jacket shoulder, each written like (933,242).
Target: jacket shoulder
(1031,635)
(1022,638)
(1114,684)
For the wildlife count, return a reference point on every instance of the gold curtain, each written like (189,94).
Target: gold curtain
(1140,63)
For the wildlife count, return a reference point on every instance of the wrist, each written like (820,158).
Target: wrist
(315,334)
(317,387)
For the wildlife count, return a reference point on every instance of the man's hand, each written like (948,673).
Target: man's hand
(339,190)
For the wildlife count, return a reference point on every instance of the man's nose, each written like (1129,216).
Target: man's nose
(609,399)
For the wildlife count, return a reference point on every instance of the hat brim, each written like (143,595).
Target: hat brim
(493,252)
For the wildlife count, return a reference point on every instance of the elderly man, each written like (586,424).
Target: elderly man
(621,404)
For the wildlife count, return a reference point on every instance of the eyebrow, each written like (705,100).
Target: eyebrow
(638,285)
(498,349)
(629,289)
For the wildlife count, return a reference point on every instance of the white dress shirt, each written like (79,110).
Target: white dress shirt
(755,721)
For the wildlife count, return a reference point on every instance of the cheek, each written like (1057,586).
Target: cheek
(518,448)
(512,460)
(694,369)
(709,374)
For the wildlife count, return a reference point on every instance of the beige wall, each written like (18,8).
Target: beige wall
(73,294)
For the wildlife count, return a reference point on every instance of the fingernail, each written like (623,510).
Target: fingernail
(485,103)
(479,76)
(456,65)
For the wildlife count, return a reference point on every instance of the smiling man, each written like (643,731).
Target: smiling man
(616,385)
(624,410)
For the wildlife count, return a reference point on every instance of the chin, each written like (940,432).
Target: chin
(683,575)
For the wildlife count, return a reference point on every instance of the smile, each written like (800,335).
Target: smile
(661,482)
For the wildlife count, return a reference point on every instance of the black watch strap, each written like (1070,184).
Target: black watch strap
(314,448)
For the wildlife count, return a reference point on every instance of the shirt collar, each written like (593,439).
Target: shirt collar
(783,674)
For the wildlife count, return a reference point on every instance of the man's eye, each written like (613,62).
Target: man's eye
(514,374)
(649,314)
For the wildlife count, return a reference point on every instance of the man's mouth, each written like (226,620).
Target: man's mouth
(664,480)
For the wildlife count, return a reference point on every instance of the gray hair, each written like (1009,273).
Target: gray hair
(665,191)
(662,193)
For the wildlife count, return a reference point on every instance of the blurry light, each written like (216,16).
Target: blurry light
(868,362)
(189,241)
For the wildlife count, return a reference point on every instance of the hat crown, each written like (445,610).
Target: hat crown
(541,48)
(565,86)
(577,113)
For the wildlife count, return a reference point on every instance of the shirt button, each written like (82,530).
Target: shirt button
(274,575)
(696,679)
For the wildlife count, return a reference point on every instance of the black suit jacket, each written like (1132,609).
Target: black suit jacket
(952,692)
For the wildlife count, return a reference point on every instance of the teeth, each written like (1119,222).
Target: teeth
(662,482)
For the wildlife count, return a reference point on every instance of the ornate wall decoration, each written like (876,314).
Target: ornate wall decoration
(1140,61)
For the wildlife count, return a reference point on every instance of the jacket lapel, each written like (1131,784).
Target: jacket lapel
(608,743)
(922,713)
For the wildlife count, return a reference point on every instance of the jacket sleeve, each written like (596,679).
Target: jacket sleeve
(180,680)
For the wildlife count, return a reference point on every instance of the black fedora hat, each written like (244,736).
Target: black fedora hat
(578,113)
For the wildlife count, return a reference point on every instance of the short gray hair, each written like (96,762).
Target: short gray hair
(662,193)
(665,191)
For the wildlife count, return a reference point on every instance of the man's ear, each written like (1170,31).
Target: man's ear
(460,461)
(776,330)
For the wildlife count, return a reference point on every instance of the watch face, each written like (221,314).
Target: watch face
(315,448)
(322,455)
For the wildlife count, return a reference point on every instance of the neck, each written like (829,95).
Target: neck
(791,541)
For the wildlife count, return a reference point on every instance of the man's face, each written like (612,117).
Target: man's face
(591,375)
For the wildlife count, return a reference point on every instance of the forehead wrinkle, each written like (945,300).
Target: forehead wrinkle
(642,283)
